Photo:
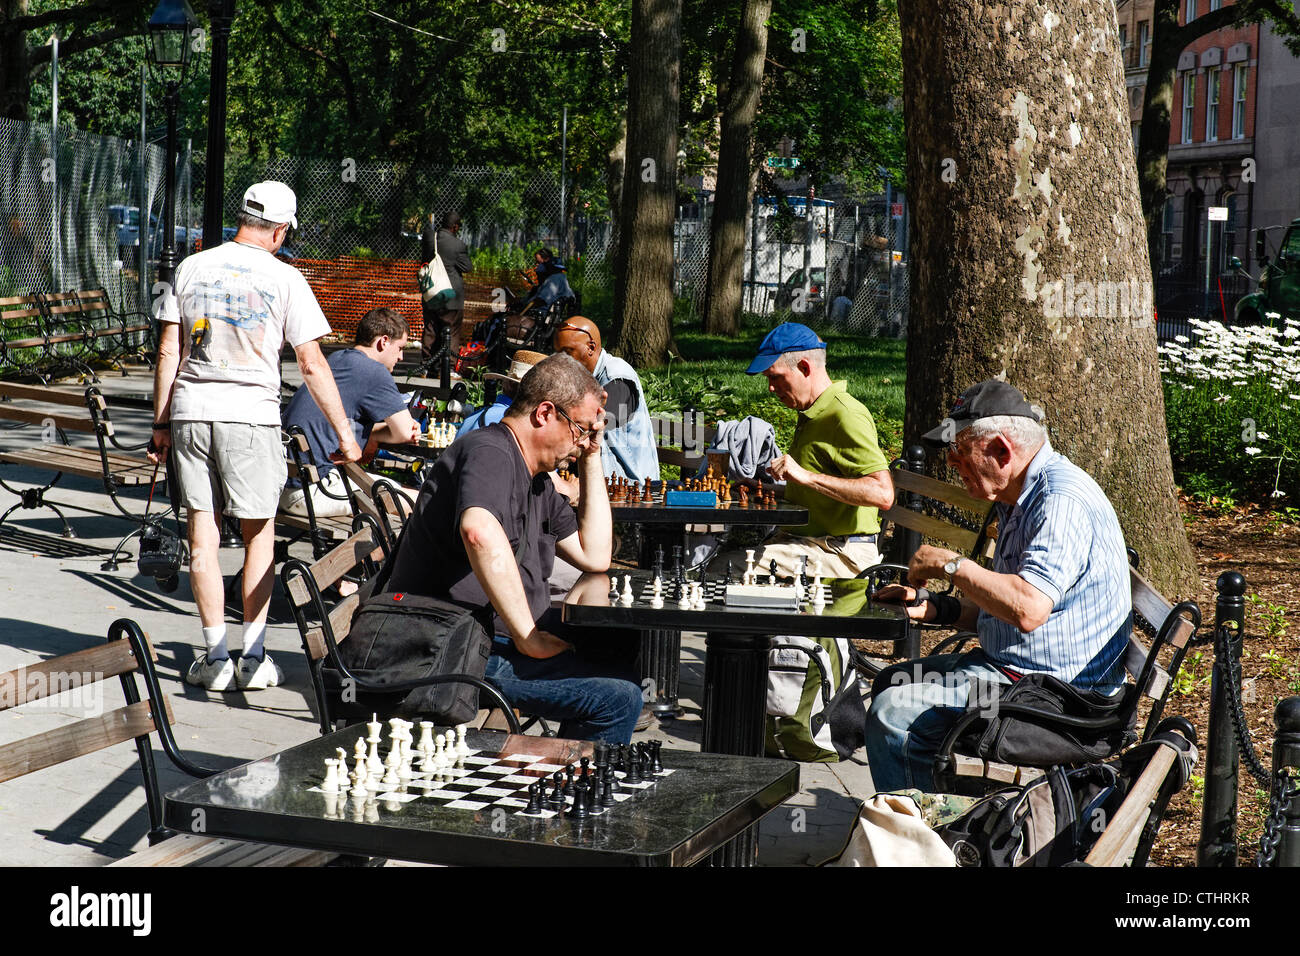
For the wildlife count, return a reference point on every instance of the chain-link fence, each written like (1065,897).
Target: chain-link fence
(72,219)
(72,212)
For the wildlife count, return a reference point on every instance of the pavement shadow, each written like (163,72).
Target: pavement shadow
(45,640)
(176,656)
(126,788)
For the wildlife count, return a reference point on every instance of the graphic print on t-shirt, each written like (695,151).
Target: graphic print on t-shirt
(236,313)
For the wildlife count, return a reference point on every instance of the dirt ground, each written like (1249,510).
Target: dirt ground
(1263,548)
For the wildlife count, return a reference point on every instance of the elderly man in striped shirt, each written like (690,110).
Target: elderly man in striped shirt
(1056,599)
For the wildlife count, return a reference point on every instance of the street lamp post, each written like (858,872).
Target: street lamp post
(169,53)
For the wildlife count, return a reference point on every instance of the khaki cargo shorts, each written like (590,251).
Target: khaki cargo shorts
(229,467)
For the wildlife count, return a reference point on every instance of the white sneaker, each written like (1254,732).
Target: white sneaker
(258,674)
(214,675)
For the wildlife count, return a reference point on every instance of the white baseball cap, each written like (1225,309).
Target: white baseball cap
(272,201)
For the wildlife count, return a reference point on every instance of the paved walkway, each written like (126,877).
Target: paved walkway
(55,598)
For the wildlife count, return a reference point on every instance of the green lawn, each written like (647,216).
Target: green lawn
(712,379)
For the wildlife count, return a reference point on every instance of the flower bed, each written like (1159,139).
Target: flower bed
(1232,406)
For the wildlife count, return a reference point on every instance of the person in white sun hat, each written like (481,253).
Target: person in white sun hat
(217,411)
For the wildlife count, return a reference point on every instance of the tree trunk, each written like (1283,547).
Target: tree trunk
(1157,115)
(1029,260)
(643,293)
(734,193)
(15,84)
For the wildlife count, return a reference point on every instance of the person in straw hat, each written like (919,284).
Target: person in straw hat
(510,379)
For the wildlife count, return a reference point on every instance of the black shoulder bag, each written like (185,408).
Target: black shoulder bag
(398,637)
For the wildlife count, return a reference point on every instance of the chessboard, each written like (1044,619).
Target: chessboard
(526,779)
(729,494)
(753,590)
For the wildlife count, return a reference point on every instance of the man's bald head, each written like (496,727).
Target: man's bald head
(580,338)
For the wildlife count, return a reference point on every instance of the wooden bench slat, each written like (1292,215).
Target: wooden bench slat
(1149,603)
(189,849)
(340,622)
(51,677)
(939,490)
(34,417)
(959,538)
(1127,822)
(75,740)
(338,562)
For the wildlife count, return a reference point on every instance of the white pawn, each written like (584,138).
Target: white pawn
(626,597)
(449,748)
(462,748)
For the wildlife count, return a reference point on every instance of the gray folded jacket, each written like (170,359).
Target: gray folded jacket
(751,443)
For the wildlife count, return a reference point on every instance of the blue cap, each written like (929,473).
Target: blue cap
(786,337)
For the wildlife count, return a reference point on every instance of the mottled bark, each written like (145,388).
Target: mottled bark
(643,294)
(734,191)
(15,85)
(1029,258)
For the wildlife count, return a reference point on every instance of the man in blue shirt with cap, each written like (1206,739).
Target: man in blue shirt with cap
(834,467)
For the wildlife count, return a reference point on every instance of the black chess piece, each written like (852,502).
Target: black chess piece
(656,761)
(535,798)
(632,769)
(607,791)
(556,799)
(594,807)
(568,780)
(578,811)
(771,570)
(658,566)
(585,763)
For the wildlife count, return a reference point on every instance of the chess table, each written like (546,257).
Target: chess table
(737,641)
(682,818)
(661,648)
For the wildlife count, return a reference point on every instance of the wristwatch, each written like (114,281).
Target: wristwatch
(951,567)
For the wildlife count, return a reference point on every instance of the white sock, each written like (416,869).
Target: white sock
(254,638)
(215,638)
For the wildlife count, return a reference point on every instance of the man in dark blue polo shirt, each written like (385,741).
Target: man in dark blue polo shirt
(364,375)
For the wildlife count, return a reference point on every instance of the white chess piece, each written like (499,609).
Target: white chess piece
(749,567)
(657,586)
(462,748)
(426,737)
(331,784)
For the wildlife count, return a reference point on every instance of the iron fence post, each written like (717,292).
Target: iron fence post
(1218,843)
(1286,755)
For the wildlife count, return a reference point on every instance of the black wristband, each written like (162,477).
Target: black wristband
(947,609)
(161,426)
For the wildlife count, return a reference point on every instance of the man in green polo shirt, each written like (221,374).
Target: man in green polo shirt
(834,468)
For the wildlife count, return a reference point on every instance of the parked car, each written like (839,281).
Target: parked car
(125,221)
(788,290)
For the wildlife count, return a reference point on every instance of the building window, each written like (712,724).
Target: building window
(1239,101)
(1137,136)
(1229,242)
(1189,102)
(1213,80)
(1123,43)
(1215,4)
(1191,11)
(1144,41)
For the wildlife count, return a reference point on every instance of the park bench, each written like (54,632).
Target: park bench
(1162,633)
(126,653)
(323,626)
(681,443)
(83,413)
(45,333)
(323,531)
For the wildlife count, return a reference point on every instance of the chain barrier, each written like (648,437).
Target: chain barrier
(1224,657)
(1284,792)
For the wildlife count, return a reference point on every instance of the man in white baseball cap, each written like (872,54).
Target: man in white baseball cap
(217,410)
(273,202)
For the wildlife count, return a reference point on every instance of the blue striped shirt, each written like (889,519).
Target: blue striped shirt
(1062,537)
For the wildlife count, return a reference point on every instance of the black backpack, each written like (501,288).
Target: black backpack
(1051,821)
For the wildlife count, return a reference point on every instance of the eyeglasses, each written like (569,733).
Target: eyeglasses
(583,433)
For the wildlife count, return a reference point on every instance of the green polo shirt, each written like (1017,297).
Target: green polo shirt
(835,436)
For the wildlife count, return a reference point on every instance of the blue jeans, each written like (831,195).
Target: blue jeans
(592,700)
(913,706)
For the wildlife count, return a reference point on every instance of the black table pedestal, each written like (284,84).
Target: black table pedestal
(735,701)
(661,653)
